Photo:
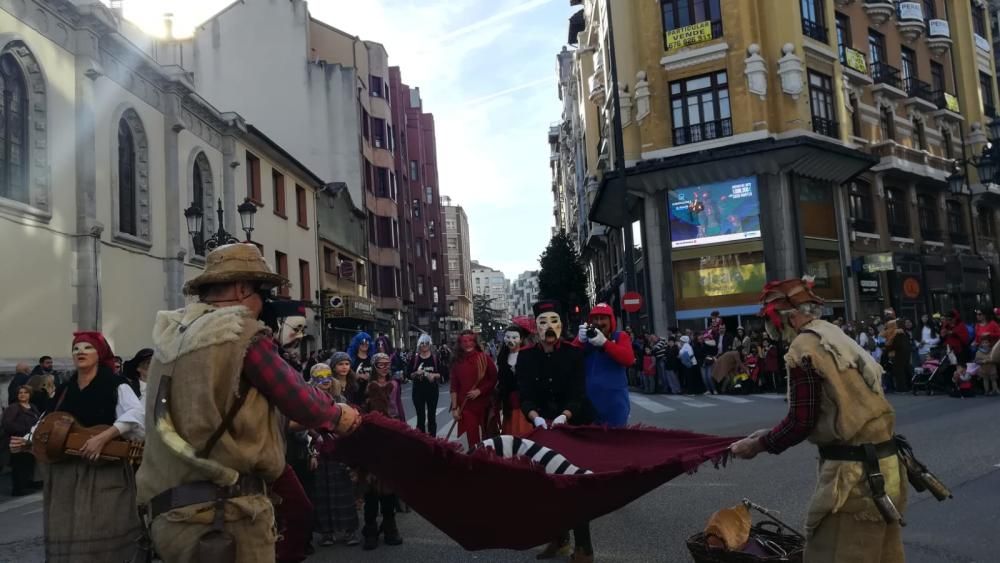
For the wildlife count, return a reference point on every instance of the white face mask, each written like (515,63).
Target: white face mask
(512,339)
(84,354)
(292,331)
(549,321)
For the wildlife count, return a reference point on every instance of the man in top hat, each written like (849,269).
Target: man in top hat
(552,388)
(217,392)
(836,402)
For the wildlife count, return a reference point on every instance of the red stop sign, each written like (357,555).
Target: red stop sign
(632,302)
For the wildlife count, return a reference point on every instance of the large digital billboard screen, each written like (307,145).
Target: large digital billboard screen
(714,213)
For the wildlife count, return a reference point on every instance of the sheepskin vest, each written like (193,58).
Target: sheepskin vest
(200,349)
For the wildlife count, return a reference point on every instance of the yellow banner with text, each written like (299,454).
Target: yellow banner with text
(689,35)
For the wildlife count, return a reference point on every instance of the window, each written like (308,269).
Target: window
(452,264)
(813,22)
(414,170)
(369,185)
(927,214)
(14,132)
(301,207)
(860,202)
(305,287)
(701,108)
(365,120)
(329,261)
(420,285)
(682,13)
(392,185)
(843,36)
(920,132)
(978,19)
(895,207)
(434,262)
(937,78)
(382,182)
(278,186)
(876,47)
(420,248)
(378,133)
(281,263)
(821,99)
(887,123)
(201,175)
(949,150)
(384,232)
(908,61)
(452,244)
(416,208)
(437,297)
(430,229)
(126,179)
(390,139)
(429,195)
(956,227)
(881,72)
(375,86)
(986,92)
(984,222)
(450,225)
(253,178)
(395,233)
(930,9)
(372,234)
(855,116)
(453,285)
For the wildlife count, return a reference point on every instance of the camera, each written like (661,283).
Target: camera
(591,331)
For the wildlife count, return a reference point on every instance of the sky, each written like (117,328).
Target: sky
(487,71)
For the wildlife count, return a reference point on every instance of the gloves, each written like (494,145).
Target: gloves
(540,423)
(561,419)
(581,334)
(599,339)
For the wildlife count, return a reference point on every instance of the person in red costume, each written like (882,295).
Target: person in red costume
(986,325)
(607,352)
(473,378)
(955,335)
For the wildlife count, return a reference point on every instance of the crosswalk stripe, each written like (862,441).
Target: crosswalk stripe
(412,422)
(649,404)
(23,501)
(690,402)
(779,396)
(728,399)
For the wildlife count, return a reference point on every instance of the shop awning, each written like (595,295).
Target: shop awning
(810,157)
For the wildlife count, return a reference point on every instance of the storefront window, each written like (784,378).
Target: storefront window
(818,215)
(719,281)
(824,266)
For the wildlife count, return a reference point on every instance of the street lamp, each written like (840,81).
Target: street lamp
(195,218)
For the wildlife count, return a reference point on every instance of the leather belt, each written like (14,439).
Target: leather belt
(857,453)
(198,492)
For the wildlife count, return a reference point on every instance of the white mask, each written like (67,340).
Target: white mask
(292,331)
(512,339)
(549,321)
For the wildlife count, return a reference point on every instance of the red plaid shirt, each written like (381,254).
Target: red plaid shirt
(803,411)
(285,388)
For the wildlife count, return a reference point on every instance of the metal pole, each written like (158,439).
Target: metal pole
(619,142)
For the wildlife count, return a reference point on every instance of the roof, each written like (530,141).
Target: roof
(317,182)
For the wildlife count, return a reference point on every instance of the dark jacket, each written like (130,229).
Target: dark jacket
(18,380)
(551,382)
(672,357)
(17,421)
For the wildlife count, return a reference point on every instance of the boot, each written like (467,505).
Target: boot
(391,533)
(371,538)
(557,548)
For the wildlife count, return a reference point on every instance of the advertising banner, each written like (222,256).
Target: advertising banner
(714,213)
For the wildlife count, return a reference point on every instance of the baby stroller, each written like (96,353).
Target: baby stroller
(934,375)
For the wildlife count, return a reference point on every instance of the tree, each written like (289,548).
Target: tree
(486,317)
(562,276)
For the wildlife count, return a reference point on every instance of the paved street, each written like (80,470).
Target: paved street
(955,437)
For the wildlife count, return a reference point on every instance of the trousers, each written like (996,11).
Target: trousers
(249,519)
(425,401)
(375,503)
(843,537)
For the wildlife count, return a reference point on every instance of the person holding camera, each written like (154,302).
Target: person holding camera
(607,353)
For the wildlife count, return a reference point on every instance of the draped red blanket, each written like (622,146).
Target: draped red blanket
(482,501)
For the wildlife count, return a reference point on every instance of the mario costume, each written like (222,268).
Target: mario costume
(606,359)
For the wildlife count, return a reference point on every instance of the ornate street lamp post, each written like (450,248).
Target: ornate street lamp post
(195,218)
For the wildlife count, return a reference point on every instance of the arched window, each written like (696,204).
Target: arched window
(126,179)
(13,131)
(202,192)
(131,198)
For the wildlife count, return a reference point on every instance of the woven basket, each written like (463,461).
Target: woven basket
(769,531)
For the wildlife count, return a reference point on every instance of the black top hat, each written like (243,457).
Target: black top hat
(547,306)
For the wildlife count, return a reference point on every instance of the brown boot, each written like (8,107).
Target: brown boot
(582,556)
(557,548)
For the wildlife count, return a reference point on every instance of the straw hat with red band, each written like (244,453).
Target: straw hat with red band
(786,295)
(105,357)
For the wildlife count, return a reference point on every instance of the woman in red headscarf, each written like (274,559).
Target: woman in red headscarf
(89,506)
(473,378)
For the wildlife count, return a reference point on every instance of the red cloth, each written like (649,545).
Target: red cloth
(437,480)
(294,517)
(803,411)
(105,356)
(991,328)
(285,388)
(464,373)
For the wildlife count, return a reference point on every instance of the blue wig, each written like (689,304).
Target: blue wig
(352,350)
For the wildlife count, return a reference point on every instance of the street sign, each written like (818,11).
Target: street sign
(632,302)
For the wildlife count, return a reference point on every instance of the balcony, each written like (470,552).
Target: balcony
(900,230)
(959,238)
(938,37)
(910,20)
(879,11)
(886,78)
(814,30)
(703,132)
(827,127)
(863,225)
(931,234)
(920,93)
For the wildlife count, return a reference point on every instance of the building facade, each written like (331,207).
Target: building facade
(105,148)
(821,143)
(494,286)
(524,294)
(458,264)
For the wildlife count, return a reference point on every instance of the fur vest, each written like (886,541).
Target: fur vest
(201,349)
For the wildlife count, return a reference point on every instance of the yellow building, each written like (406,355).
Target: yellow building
(765,139)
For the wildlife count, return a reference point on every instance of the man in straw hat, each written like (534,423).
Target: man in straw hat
(836,402)
(217,391)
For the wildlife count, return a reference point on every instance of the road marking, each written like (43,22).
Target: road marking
(650,405)
(778,396)
(35,511)
(689,401)
(23,501)
(728,398)
(413,420)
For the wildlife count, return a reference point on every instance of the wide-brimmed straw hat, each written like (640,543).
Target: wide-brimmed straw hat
(235,263)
